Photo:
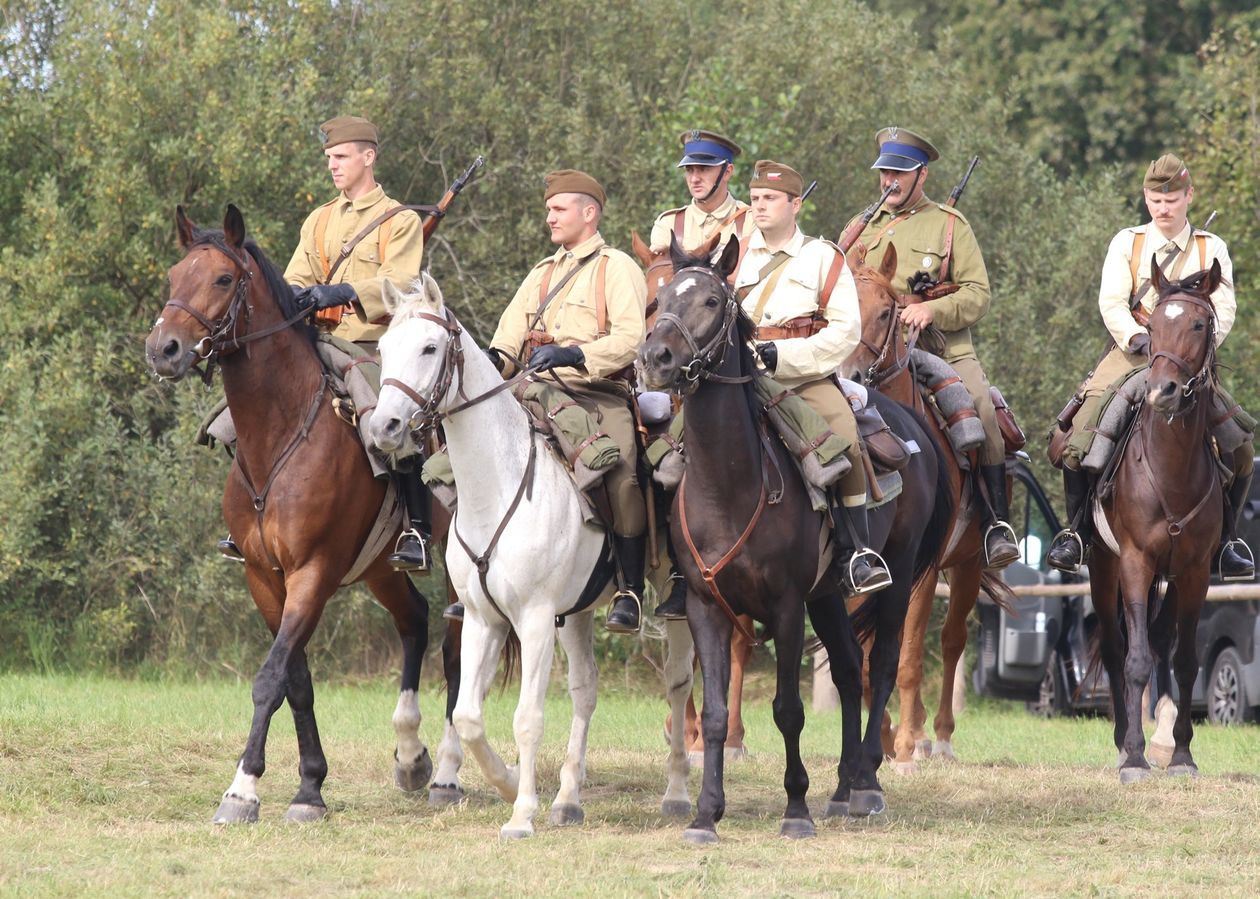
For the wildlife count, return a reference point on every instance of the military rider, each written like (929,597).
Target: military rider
(708,162)
(801,296)
(1181,250)
(935,245)
(581,310)
(345,293)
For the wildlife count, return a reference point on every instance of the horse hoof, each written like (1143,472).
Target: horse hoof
(565,815)
(234,810)
(1191,771)
(1160,754)
(905,767)
(414,777)
(836,809)
(675,808)
(442,796)
(1134,775)
(515,833)
(922,750)
(305,813)
(735,753)
(697,836)
(943,750)
(796,828)
(863,803)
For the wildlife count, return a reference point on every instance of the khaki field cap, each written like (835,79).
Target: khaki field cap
(773,175)
(707,148)
(901,150)
(1167,174)
(571,181)
(345,128)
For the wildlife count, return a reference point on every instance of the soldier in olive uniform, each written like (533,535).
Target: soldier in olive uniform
(1125,299)
(581,309)
(708,162)
(936,246)
(800,294)
(345,293)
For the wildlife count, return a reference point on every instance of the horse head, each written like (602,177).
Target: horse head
(208,290)
(697,312)
(880,307)
(658,268)
(421,355)
(1183,338)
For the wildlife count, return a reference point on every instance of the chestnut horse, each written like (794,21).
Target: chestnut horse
(1161,524)
(765,541)
(300,498)
(882,361)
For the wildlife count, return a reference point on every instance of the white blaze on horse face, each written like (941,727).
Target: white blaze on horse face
(686,284)
(160,319)
(1173,311)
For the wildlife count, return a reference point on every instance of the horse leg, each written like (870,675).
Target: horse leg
(1104,581)
(1191,590)
(867,797)
(741,652)
(964,588)
(538,646)
(1136,577)
(678,684)
(578,639)
(1160,750)
(789,717)
(711,631)
(410,611)
(479,657)
(909,744)
(308,804)
(844,654)
(446,788)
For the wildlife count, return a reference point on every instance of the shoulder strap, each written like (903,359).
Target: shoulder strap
(383,240)
(601,299)
(833,275)
(769,275)
(1200,240)
(368,229)
(1135,256)
(947,249)
(321,233)
(545,299)
(680,224)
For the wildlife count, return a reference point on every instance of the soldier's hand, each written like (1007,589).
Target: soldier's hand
(769,354)
(325,296)
(1140,344)
(920,283)
(496,358)
(917,315)
(545,358)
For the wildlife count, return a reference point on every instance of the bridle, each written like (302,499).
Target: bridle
(1195,380)
(704,360)
(876,373)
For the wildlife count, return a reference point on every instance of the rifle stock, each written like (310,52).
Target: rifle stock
(850,234)
(432,221)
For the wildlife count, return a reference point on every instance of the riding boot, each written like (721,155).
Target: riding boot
(1067,550)
(864,569)
(627,603)
(1236,561)
(674,608)
(411,553)
(230,550)
(1000,548)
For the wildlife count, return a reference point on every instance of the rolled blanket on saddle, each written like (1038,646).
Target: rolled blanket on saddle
(958,410)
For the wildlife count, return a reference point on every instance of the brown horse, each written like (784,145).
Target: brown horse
(658,269)
(882,360)
(300,498)
(1162,522)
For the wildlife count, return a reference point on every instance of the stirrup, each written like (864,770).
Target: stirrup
(1246,553)
(878,564)
(454,612)
(638,604)
(400,563)
(1067,533)
(670,614)
(230,550)
(1000,525)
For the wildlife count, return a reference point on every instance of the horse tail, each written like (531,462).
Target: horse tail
(938,526)
(998,591)
(865,617)
(511,658)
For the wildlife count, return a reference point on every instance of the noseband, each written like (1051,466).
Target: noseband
(707,358)
(1195,380)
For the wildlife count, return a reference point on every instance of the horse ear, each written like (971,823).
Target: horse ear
(729,260)
(1213,278)
(706,249)
(1158,281)
(676,254)
(888,266)
(234,227)
(432,292)
(641,249)
(184,228)
(391,296)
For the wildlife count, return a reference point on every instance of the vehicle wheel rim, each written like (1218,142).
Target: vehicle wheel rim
(1225,695)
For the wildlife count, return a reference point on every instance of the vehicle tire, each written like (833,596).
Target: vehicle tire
(1052,701)
(1227,700)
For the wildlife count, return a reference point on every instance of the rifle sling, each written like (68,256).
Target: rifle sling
(371,226)
(551,295)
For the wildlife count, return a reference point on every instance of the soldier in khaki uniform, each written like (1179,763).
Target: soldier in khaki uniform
(1125,299)
(708,162)
(581,310)
(800,294)
(935,245)
(350,306)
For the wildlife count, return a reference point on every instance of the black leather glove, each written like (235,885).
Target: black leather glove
(553,355)
(920,283)
(769,354)
(1141,344)
(496,358)
(325,296)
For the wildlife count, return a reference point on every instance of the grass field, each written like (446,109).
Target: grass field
(107,788)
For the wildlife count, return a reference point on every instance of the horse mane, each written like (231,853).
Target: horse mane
(424,295)
(279,289)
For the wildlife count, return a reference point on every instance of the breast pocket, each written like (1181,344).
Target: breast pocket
(576,319)
(366,258)
(927,258)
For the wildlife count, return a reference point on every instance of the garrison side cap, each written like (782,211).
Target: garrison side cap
(707,148)
(346,128)
(771,175)
(1167,174)
(572,181)
(901,150)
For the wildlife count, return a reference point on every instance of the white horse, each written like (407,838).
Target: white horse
(519,507)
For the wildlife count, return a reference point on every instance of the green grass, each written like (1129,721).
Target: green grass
(107,788)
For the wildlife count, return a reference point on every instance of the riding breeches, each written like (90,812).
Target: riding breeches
(993,452)
(825,397)
(611,412)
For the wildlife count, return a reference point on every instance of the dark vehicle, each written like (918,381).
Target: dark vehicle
(1039,651)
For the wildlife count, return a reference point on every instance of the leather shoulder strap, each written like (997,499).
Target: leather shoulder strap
(948,249)
(601,298)
(368,229)
(680,224)
(321,233)
(382,241)
(1200,240)
(1135,256)
(833,275)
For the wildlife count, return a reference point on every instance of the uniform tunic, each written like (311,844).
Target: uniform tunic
(699,226)
(366,270)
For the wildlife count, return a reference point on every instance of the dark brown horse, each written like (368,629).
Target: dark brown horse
(300,498)
(1162,522)
(882,361)
(744,516)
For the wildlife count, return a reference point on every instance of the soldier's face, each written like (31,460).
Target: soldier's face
(1169,210)
(350,165)
(773,210)
(700,178)
(570,219)
(908,186)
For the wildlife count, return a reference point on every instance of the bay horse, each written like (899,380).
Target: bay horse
(300,497)
(1161,524)
(882,361)
(658,269)
(743,513)
(537,563)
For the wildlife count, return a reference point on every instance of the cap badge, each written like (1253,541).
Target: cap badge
(323,136)
(892,132)
(773,176)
